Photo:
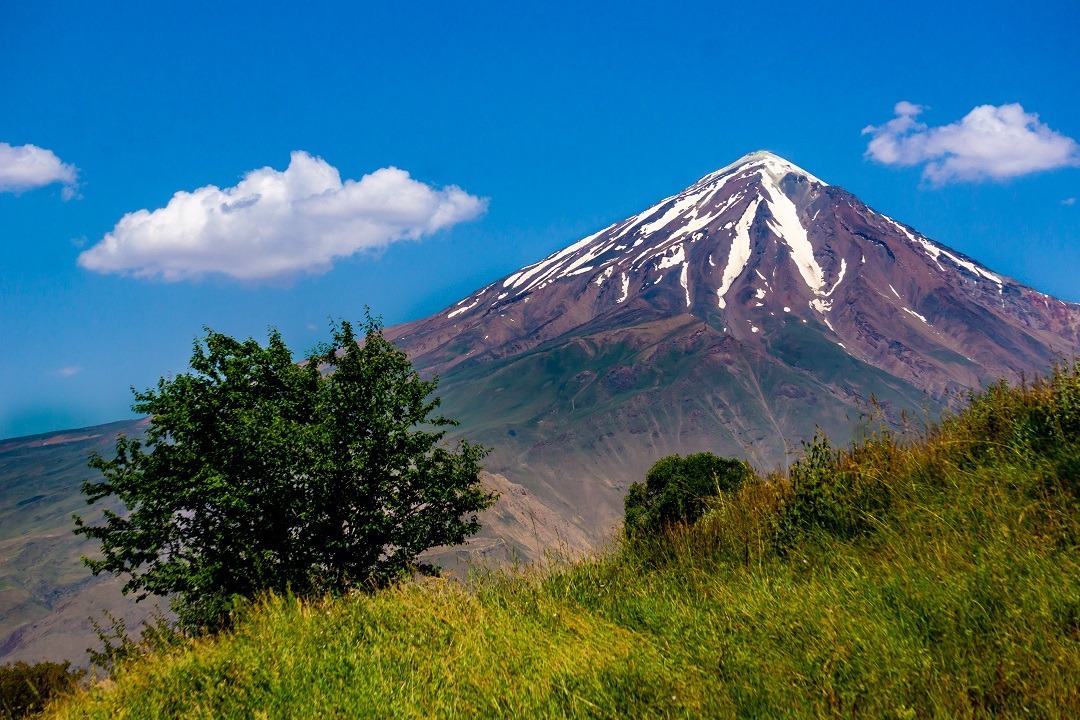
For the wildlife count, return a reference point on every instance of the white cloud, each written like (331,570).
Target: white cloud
(1068,202)
(989,143)
(278,223)
(69,371)
(24,167)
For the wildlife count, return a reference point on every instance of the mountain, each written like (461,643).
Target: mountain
(736,316)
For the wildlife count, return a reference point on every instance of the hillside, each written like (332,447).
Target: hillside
(928,575)
(46,594)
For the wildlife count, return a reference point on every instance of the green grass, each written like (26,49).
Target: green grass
(927,578)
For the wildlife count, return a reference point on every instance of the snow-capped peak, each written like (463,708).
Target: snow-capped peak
(756,240)
(650,241)
(772,163)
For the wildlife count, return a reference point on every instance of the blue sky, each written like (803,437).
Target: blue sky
(552,119)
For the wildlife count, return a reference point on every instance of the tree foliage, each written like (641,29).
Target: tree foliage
(676,489)
(259,474)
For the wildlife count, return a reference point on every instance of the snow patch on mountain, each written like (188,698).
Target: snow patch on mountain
(604,275)
(936,252)
(786,225)
(625,288)
(680,207)
(678,257)
(739,254)
(839,277)
(460,310)
(909,311)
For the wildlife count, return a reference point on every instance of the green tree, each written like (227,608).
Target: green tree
(676,489)
(259,474)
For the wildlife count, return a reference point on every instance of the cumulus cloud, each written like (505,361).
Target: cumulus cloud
(24,167)
(1068,202)
(989,143)
(276,223)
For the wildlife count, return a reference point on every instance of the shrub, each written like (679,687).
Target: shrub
(158,634)
(843,493)
(676,490)
(25,688)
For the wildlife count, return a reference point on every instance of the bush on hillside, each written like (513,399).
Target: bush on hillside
(25,688)
(677,489)
(157,635)
(1037,424)
(837,492)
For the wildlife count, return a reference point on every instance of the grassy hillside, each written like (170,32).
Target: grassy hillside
(930,577)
